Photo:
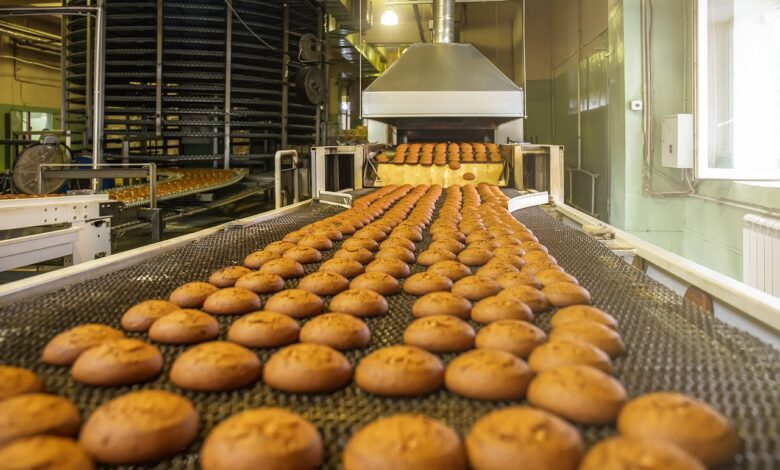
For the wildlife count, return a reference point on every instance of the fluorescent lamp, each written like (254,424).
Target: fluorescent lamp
(389,17)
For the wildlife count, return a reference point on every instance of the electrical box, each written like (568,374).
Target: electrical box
(677,141)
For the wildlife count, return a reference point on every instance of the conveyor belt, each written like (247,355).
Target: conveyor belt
(672,345)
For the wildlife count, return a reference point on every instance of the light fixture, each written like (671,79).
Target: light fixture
(389,17)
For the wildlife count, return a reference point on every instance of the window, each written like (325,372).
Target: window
(738,89)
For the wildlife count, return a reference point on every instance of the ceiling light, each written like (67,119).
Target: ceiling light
(389,17)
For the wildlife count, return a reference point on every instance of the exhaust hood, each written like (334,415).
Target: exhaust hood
(441,84)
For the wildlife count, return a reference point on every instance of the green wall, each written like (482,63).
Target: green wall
(595,69)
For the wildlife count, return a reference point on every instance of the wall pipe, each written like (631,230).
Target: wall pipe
(444,21)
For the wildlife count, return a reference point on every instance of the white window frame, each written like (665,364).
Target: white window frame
(703,171)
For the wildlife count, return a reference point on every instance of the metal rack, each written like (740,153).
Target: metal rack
(189,81)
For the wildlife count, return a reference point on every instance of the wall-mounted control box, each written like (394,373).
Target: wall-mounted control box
(677,141)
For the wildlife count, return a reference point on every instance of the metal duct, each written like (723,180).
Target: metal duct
(444,21)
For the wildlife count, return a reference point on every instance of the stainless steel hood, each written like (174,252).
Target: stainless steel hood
(441,85)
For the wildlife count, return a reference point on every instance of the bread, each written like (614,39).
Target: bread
(267,438)
(581,394)
(138,427)
(405,441)
(523,437)
(683,421)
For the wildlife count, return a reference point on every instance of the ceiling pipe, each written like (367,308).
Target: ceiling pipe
(444,21)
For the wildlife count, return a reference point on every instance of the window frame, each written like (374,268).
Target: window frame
(702,169)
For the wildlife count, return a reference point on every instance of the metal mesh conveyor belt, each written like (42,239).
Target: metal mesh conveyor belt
(671,344)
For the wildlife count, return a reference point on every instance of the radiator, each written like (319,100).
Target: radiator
(761,253)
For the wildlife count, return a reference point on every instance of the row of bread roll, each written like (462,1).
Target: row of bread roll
(107,353)
(190,179)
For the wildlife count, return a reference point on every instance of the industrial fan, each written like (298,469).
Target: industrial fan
(26,171)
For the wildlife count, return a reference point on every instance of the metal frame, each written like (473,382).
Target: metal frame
(87,237)
(48,282)
(278,170)
(319,166)
(99,12)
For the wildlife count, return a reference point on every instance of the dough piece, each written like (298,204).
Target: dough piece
(360,303)
(578,393)
(453,270)
(495,269)
(396,252)
(425,283)
(394,267)
(285,268)
(227,277)
(261,283)
(690,424)
(348,268)
(405,441)
(513,336)
(441,303)
(399,371)
(44,453)
(408,233)
(264,330)
(63,349)
(259,258)
(475,256)
(449,244)
(361,255)
(440,334)
(324,283)
(318,242)
(378,282)
(552,276)
(280,247)
(17,381)
(498,308)
(296,303)
(566,352)
(303,255)
(263,438)
(488,374)
(509,280)
(215,366)
(33,414)
(509,250)
(625,453)
(184,326)
(140,316)
(361,242)
(564,294)
(534,438)
(432,256)
(603,337)
(139,427)
(118,362)
(192,294)
(337,330)
(534,298)
(578,313)
(398,241)
(307,368)
(476,288)
(232,301)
